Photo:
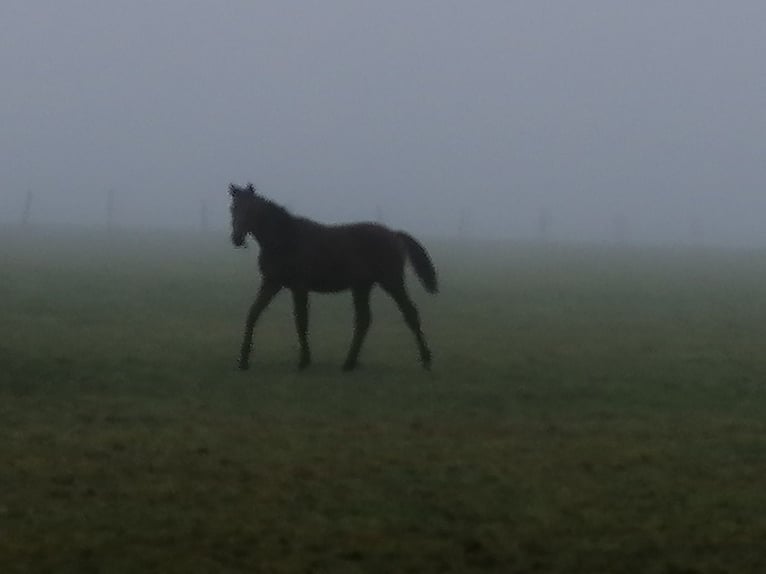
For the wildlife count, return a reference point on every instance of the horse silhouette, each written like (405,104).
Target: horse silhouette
(303,256)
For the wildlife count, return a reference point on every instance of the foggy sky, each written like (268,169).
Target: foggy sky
(652,111)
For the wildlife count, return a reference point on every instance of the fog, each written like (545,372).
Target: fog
(638,121)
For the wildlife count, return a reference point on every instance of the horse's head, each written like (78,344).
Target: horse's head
(242,201)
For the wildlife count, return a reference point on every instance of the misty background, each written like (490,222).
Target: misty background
(643,121)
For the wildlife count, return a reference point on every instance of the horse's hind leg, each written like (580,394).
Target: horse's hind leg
(301,312)
(265,295)
(362,320)
(399,294)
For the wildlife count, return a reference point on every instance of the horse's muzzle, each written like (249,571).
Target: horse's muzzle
(238,240)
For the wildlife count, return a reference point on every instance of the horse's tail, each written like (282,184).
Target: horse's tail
(421,262)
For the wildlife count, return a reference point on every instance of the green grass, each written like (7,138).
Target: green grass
(590,410)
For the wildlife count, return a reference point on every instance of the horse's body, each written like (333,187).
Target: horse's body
(302,255)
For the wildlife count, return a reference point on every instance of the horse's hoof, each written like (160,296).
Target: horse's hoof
(348,367)
(303,364)
(426,360)
(244,365)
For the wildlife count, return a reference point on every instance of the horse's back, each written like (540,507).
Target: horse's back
(337,257)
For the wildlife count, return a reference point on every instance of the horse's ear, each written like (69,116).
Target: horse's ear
(250,189)
(233,189)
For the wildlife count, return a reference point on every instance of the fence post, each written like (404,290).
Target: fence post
(203,220)
(110,210)
(26,214)
(696,231)
(620,228)
(462,223)
(544,223)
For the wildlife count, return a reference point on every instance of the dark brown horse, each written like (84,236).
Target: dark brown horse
(302,255)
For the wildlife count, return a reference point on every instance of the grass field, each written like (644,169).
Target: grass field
(590,410)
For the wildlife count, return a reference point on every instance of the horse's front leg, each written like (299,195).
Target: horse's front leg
(301,312)
(265,294)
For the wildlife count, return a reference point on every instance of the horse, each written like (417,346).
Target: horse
(302,256)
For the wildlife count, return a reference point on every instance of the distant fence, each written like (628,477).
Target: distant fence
(112,208)
(117,208)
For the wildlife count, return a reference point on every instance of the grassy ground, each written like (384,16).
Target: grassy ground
(590,410)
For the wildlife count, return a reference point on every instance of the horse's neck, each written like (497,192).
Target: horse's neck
(275,236)
(267,242)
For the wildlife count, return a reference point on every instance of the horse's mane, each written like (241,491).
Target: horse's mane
(274,211)
(274,225)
